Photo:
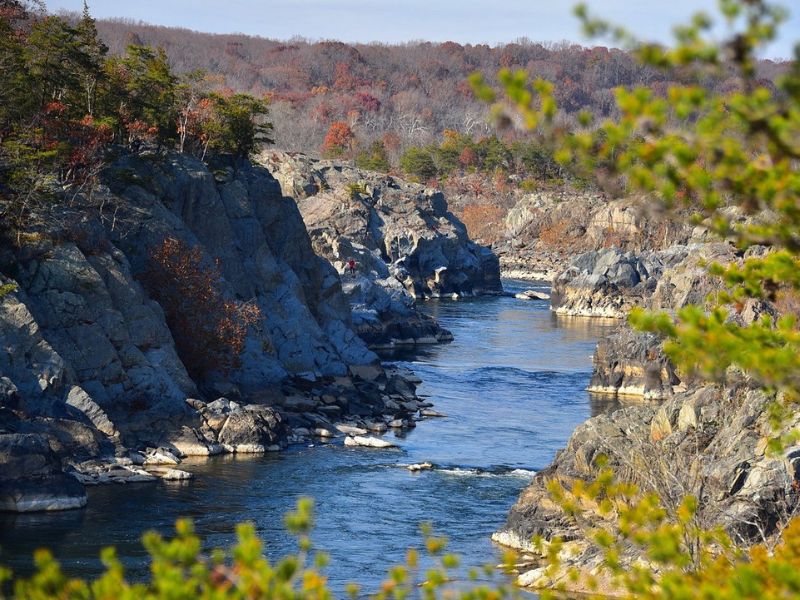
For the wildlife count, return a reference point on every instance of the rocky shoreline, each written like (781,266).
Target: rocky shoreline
(675,434)
(93,388)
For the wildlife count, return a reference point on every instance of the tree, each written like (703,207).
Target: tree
(195,110)
(55,62)
(338,141)
(732,158)
(419,163)
(238,126)
(94,53)
(374,158)
(142,94)
(16,100)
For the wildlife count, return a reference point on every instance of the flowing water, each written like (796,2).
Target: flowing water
(512,384)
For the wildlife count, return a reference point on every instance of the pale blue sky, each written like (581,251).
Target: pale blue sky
(473,21)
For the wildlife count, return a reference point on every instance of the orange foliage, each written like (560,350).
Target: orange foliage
(209,331)
(468,158)
(338,140)
(555,235)
(484,222)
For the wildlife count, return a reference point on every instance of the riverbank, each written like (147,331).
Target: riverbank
(512,386)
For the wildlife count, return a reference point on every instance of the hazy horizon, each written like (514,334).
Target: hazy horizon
(365,21)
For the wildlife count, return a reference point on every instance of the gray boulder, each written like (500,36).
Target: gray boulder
(31,478)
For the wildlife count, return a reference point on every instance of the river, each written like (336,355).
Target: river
(513,386)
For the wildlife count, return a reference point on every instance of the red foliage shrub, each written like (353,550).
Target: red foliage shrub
(209,331)
(484,222)
(338,140)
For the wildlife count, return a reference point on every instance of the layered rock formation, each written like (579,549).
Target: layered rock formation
(546,230)
(608,283)
(704,440)
(406,243)
(90,373)
(710,442)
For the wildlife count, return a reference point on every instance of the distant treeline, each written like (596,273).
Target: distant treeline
(407,94)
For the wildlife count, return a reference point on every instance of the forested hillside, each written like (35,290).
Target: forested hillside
(402,95)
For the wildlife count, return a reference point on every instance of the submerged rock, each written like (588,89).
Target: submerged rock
(532,295)
(426,466)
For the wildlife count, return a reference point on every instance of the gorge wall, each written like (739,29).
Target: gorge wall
(93,386)
(676,433)
(406,244)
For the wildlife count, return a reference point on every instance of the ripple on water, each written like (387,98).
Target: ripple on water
(512,384)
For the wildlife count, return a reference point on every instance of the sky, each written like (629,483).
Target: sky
(464,21)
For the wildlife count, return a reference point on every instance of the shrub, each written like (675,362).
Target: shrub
(374,158)
(209,331)
(355,190)
(418,162)
(6,289)
(182,570)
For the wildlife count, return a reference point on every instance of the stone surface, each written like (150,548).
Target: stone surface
(31,476)
(405,241)
(89,366)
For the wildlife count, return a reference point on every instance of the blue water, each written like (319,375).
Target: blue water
(512,384)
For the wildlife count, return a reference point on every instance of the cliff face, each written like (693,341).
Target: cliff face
(690,437)
(88,366)
(609,283)
(710,442)
(405,241)
(545,231)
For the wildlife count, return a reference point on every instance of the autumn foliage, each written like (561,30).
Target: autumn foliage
(209,331)
(482,221)
(339,140)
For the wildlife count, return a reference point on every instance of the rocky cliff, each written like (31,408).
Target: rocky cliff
(691,437)
(405,241)
(545,230)
(710,442)
(92,386)
(608,283)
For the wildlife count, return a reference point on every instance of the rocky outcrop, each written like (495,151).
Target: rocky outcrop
(704,440)
(545,230)
(609,282)
(385,315)
(629,363)
(397,232)
(89,370)
(31,477)
(710,442)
